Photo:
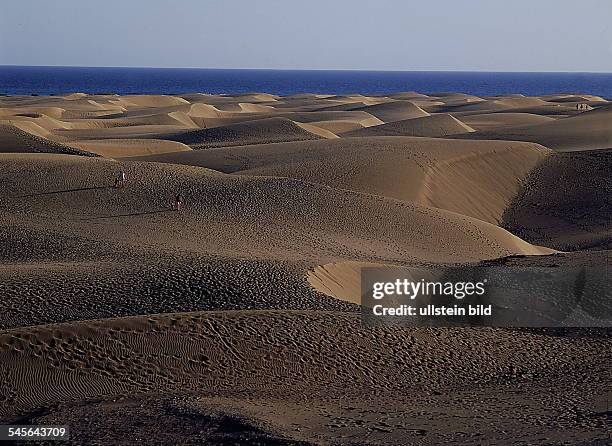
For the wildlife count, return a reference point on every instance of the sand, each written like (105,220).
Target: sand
(446,174)
(273,375)
(121,148)
(431,126)
(567,202)
(585,131)
(487,121)
(16,140)
(236,320)
(251,132)
(394,111)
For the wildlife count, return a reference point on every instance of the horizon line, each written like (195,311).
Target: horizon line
(306,69)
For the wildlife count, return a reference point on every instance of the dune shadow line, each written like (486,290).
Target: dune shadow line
(66,191)
(133,214)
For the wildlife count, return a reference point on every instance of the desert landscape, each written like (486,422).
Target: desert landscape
(235,320)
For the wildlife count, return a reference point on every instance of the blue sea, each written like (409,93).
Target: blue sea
(18,80)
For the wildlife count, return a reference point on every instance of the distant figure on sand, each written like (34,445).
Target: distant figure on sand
(178,201)
(120,179)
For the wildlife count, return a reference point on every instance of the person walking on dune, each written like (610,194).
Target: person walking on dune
(120,179)
(178,201)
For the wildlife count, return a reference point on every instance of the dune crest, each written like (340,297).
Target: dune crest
(259,131)
(430,126)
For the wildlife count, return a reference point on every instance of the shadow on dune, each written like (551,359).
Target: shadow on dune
(565,202)
(65,191)
(133,214)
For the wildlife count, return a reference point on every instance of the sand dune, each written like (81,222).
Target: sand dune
(194,98)
(150,100)
(550,110)
(488,121)
(151,110)
(342,280)
(407,95)
(448,96)
(254,108)
(182,118)
(176,118)
(310,378)
(511,104)
(358,117)
(581,98)
(464,106)
(254,97)
(355,118)
(520,101)
(45,121)
(338,106)
(244,107)
(567,202)
(85,114)
(147,131)
(358,99)
(59,107)
(206,111)
(307,96)
(338,126)
(474,178)
(15,140)
(457,99)
(431,126)
(52,112)
(69,235)
(220,205)
(251,132)
(394,111)
(386,111)
(585,131)
(234,320)
(316,130)
(32,127)
(122,148)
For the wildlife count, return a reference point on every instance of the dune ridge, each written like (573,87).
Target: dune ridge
(251,132)
(431,126)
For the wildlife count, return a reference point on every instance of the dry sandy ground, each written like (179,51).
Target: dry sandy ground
(234,320)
